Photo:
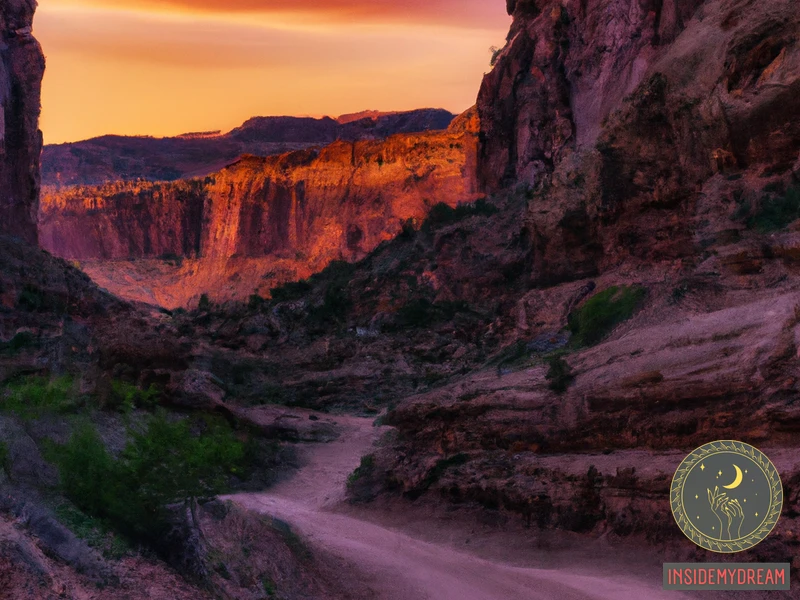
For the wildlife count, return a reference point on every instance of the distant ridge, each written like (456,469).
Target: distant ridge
(125,158)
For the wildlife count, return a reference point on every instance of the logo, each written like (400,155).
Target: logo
(726,496)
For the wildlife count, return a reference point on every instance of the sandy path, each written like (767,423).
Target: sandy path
(400,567)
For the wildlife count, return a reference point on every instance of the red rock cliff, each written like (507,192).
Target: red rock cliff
(21,70)
(308,207)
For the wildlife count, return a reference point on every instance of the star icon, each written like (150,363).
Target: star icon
(702,467)
(720,473)
(756,514)
(696,497)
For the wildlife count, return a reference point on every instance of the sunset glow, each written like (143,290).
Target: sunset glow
(163,68)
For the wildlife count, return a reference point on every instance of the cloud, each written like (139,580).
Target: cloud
(208,44)
(481,14)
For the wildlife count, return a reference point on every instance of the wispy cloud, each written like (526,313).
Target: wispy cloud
(481,14)
(126,66)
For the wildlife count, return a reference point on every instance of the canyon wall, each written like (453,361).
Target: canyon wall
(21,71)
(568,66)
(617,114)
(113,158)
(303,208)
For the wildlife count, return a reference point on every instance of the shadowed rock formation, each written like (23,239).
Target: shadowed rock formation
(21,70)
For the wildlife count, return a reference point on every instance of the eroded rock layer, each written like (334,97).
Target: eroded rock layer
(294,212)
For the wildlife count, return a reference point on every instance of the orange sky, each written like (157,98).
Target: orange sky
(165,67)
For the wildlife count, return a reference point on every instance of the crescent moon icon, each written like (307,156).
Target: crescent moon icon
(736,482)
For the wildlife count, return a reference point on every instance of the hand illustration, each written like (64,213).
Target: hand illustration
(733,510)
(718,501)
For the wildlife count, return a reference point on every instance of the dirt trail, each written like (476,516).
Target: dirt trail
(400,567)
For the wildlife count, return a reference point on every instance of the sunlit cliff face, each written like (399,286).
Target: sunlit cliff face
(167,67)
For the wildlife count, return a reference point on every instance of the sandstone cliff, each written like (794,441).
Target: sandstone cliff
(291,214)
(118,158)
(21,70)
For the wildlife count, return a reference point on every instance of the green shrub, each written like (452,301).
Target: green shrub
(204,304)
(559,375)
(594,320)
(776,212)
(20,341)
(362,470)
(166,463)
(442,214)
(33,397)
(255,302)
(288,292)
(4,457)
(127,396)
(512,355)
(421,312)
(334,306)
(31,299)
(94,532)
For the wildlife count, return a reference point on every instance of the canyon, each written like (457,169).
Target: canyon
(496,341)
(260,221)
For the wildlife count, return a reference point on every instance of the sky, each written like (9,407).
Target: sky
(166,67)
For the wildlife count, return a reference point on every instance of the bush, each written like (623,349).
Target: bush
(204,303)
(593,321)
(167,463)
(93,531)
(4,457)
(362,470)
(33,397)
(18,343)
(776,212)
(288,292)
(420,312)
(127,396)
(559,375)
(334,306)
(441,214)
(255,302)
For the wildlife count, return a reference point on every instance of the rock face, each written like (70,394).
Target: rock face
(21,70)
(568,66)
(114,158)
(294,211)
(618,116)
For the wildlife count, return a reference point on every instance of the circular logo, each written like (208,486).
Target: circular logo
(726,496)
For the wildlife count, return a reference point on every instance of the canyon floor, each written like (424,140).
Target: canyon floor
(400,552)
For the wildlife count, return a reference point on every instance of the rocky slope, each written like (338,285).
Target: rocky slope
(114,158)
(21,70)
(258,222)
(684,184)
(661,145)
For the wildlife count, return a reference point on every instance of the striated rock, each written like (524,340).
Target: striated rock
(113,158)
(297,211)
(21,71)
